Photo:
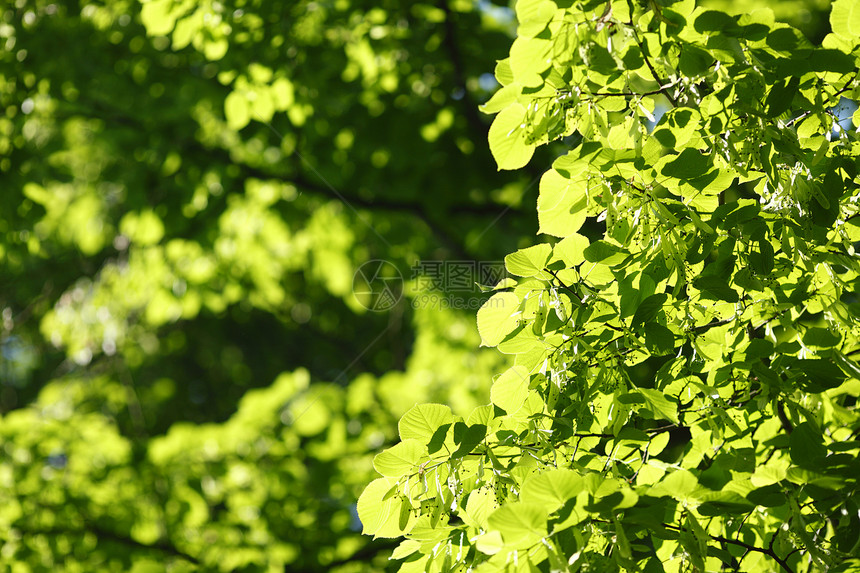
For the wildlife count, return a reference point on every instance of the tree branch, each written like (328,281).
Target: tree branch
(634,94)
(710,325)
(566,287)
(660,81)
(769,552)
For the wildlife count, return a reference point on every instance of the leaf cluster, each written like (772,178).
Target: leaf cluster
(684,388)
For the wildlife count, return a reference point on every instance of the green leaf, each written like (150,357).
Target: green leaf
(678,484)
(845,19)
(695,544)
(570,250)
(605,253)
(528,262)
(505,283)
(406,511)
(822,60)
(781,96)
(821,337)
(678,125)
(510,390)
(847,364)
(761,260)
(521,524)
(659,405)
(820,374)
(489,543)
(711,183)
(468,438)
(520,340)
(617,498)
(688,165)
(561,204)
(502,99)
(620,10)
(530,57)
(757,348)
(771,495)
(648,308)
(631,398)
(503,72)
(496,317)
(381,518)
(534,15)
(715,21)
(482,415)
(406,548)
(658,338)
(401,458)
(551,488)
(694,61)
(422,421)
(479,506)
(715,288)
(507,138)
(806,446)
(621,541)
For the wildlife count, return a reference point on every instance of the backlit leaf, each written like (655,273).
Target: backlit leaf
(562,204)
(422,421)
(497,317)
(507,138)
(528,262)
(521,524)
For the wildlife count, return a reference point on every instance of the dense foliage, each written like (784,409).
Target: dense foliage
(684,388)
(186,379)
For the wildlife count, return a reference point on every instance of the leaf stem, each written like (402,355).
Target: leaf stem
(566,287)
(654,73)
(769,551)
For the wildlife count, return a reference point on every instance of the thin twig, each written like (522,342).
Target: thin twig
(654,73)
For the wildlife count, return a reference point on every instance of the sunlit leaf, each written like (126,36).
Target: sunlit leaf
(521,524)
(528,262)
(497,317)
(400,459)
(507,138)
(422,421)
(561,204)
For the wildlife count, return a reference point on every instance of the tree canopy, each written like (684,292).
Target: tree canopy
(199,202)
(187,380)
(685,381)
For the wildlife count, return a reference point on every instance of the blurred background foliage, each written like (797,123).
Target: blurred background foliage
(187,381)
